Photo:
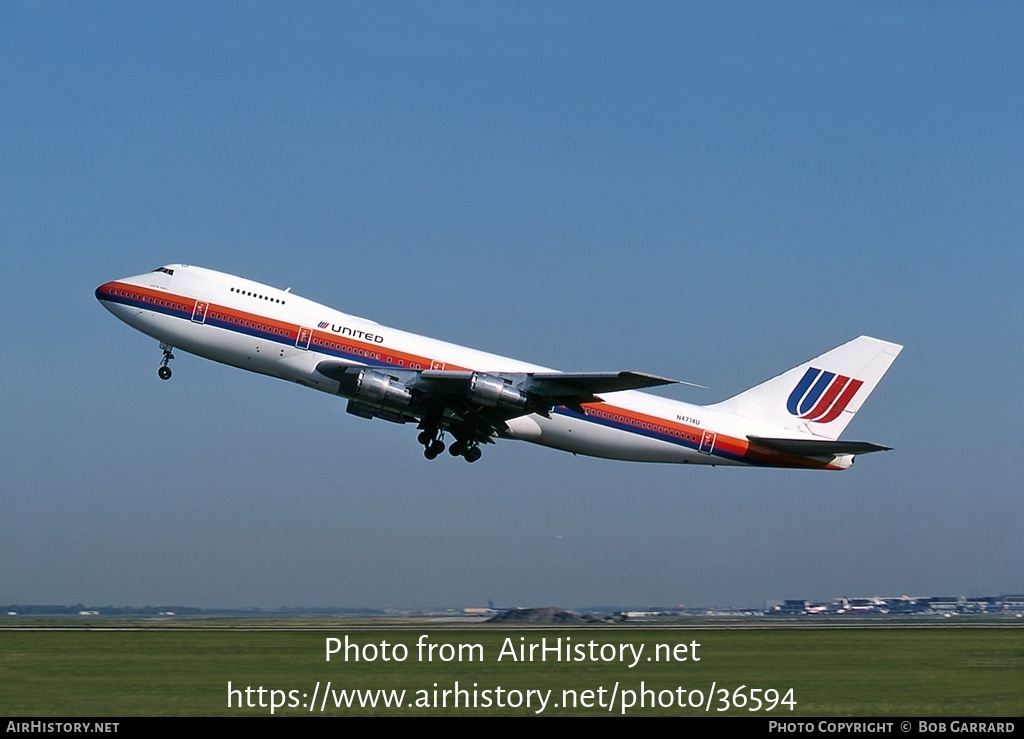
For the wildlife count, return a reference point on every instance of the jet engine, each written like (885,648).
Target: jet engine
(491,391)
(376,388)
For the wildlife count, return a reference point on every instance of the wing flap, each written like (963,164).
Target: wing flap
(565,384)
(554,387)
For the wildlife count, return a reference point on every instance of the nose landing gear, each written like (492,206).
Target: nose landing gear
(165,372)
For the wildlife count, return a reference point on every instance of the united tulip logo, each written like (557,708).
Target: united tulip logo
(821,396)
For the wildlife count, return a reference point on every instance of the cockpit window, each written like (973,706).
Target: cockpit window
(164,269)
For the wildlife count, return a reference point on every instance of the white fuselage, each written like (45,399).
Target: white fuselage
(274,332)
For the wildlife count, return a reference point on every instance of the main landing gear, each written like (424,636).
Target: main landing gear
(469,450)
(432,439)
(432,442)
(165,372)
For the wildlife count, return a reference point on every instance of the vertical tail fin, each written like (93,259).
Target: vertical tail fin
(821,396)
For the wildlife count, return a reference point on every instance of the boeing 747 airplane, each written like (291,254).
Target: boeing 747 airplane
(464,398)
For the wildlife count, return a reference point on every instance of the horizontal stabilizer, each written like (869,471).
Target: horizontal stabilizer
(818,447)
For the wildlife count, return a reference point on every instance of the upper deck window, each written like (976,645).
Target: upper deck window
(251,294)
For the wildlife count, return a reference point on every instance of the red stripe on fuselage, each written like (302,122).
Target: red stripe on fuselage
(691,436)
(327,342)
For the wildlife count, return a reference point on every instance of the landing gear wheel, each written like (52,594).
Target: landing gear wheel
(472,454)
(457,449)
(431,439)
(165,372)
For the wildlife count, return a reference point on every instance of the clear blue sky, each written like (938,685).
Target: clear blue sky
(708,191)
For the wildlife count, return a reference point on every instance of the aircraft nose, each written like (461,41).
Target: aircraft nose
(105,291)
(116,297)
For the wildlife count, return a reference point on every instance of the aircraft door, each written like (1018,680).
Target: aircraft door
(199,312)
(707,442)
(304,337)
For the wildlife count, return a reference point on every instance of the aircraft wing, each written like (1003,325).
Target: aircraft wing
(554,386)
(476,403)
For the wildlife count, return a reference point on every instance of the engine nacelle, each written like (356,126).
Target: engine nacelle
(492,391)
(370,411)
(376,388)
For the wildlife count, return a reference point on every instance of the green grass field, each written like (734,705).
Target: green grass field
(871,671)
